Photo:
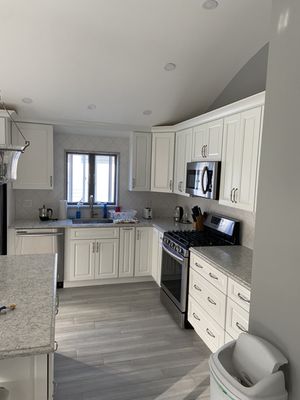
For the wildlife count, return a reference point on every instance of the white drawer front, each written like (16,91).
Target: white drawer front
(212,274)
(237,319)
(95,233)
(210,332)
(208,296)
(239,294)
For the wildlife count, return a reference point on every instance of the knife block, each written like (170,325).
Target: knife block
(198,225)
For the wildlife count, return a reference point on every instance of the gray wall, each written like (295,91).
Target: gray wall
(163,204)
(251,79)
(275,302)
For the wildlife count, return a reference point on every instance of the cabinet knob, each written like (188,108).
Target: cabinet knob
(133,183)
(51,181)
(171,185)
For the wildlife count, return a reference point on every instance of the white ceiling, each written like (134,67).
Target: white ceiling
(66,54)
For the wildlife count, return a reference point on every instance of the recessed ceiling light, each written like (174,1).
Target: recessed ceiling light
(92,106)
(147,112)
(27,100)
(210,4)
(170,67)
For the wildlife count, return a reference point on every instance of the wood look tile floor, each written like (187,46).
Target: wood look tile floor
(117,342)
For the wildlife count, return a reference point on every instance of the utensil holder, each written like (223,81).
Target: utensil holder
(198,225)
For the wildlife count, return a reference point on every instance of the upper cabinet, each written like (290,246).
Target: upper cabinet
(162,161)
(140,161)
(207,141)
(240,159)
(35,167)
(183,155)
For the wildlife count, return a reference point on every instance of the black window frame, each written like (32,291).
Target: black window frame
(91,182)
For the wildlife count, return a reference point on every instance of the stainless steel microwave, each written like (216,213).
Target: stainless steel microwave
(203,179)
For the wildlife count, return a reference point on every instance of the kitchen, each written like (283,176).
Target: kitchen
(116,333)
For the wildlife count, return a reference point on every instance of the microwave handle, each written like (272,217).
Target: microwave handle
(205,170)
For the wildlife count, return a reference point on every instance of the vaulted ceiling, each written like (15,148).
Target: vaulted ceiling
(110,54)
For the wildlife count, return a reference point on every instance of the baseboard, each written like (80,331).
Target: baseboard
(114,281)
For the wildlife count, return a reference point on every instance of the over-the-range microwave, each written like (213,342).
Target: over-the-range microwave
(203,179)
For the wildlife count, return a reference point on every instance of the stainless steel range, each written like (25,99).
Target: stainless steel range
(218,231)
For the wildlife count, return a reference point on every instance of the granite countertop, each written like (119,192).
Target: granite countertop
(234,261)
(162,224)
(30,283)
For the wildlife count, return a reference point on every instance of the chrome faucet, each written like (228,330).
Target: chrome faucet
(91,203)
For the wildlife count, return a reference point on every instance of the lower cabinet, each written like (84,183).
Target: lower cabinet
(143,252)
(28,378)
(127,246)
(156,255)
(107,258)
(218,307)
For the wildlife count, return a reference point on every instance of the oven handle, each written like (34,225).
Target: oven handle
(180,259)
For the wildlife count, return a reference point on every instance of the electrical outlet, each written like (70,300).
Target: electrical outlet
(27,203)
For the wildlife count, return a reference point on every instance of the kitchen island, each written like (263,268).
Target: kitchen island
(27,333)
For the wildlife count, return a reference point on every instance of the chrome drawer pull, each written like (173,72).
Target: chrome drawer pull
(55,346)
(213,276)
(211,301)
(196,316)
(198,265)
(197,288)
(240,327)
(243,298)
(210,333)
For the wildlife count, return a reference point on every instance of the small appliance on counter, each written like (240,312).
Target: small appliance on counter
(45,213)
(147,213)
(178,214)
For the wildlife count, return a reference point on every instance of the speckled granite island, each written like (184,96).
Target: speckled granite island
(234,261)
(27,333)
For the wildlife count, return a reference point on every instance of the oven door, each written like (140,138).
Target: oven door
(174,277)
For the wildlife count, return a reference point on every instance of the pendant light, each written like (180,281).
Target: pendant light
(10,154)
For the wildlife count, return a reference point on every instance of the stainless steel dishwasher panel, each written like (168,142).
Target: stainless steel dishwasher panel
(42,241)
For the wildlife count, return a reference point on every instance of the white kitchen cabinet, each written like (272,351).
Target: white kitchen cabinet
(35,167)
(127,245)
(162,161)
(27,378)
(107,258)
(207,141)
(156,255)
(240,159)
(82,260)
(183,155)
(140,161)
(143,250)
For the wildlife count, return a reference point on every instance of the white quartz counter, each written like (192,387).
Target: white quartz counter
(162,224)
(30,283)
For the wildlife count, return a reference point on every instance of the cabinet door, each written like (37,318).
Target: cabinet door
(30,242)
(140,161)
(107,261)
(162,162)
(183,155)
(155,243)
(230,159)
(126,259)
(35,167)
(213,151)
(82,260)
(250,128)
(143,249)
(200,139)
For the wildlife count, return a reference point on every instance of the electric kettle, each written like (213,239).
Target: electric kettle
(45,213)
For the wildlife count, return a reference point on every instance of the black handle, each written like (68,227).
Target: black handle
(205,170)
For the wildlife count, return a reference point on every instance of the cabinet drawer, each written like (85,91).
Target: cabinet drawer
(210,332)
(210,273)
(239,294)
(95,233)
(208,296)
(237,319)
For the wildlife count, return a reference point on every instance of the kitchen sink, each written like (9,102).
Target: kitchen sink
(92,221)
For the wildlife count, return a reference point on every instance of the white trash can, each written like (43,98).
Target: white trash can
(247,369)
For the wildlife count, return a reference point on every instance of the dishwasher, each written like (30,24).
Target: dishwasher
(42,241)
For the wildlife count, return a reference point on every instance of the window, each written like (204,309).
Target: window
(91,174)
